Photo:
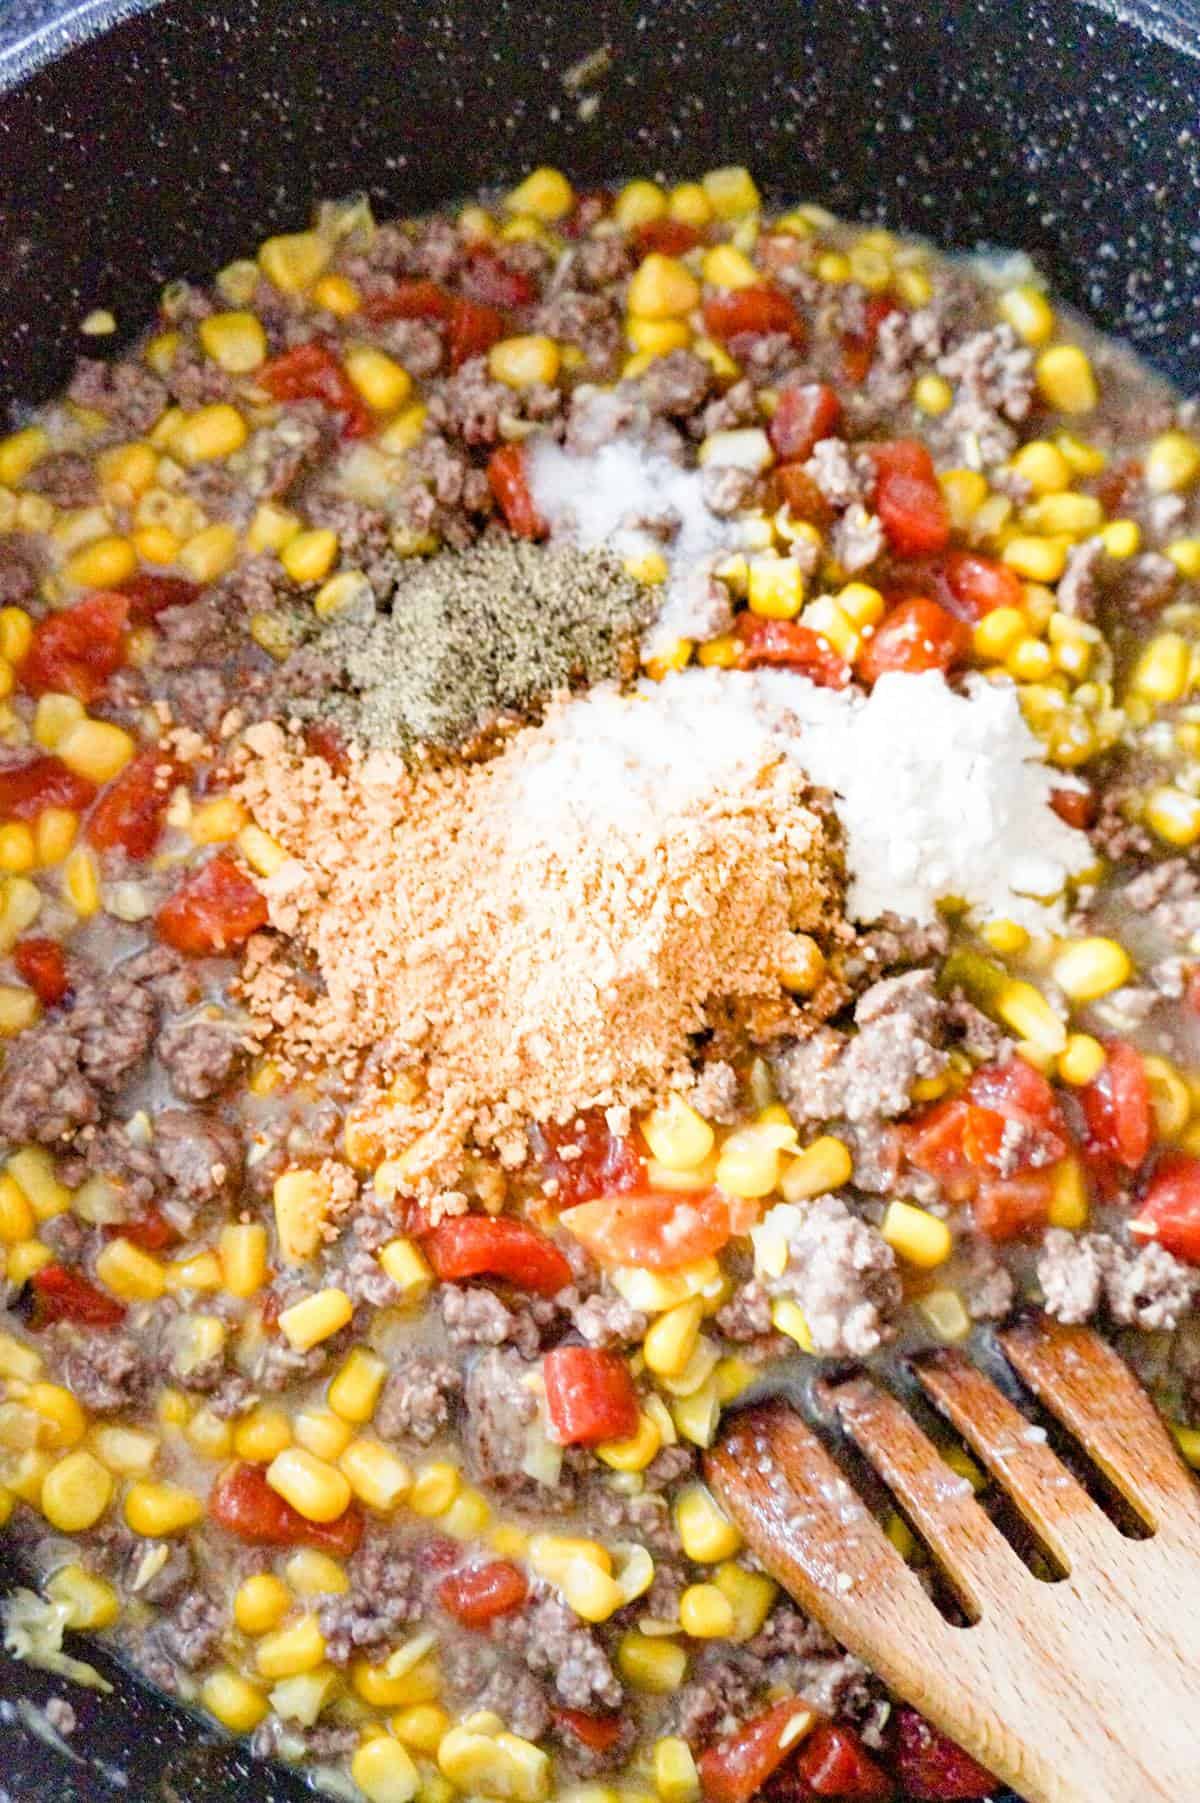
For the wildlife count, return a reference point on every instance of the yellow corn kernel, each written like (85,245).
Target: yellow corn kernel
(1043,466)
(965,492)
(298,1648)
(705,1533)
(260,1603)
(209,434)
(20,905)
(208,1435)
(54,833)
(18,851)
(1172,463)
(318,1491)
(383,383)
(1084,458)
(719,654)
(998,634)
(310,554)
(234,340)
(237,1704)
(1068,1205)
(209,554)
(16,633)
(731,192)
(1086,969)
(88,1602)
(19,452)
(16,1215)
(871,267)
(262,1435)
(591,1593)
(420,1727)
(861,604)
(673,1338)
(406,1265)
(654,1665)
(725,267)
(656,337)
(174,1409)
(480,1756)
(344,590)
(1162,671)
(1066,379)
(690,205)
(434,1488)
(128,1451)
(1024,1009)
(662,288)
(242,1250)
(1169,1096)
(638,203)
(932,395)
(748,1161)
(160,352)
(522,362)
(789,1318)
(650,567)
(76,1492)
(217,822)
(402,433)
(105,563)
(676,1778)
(354,1392)
(677,1136)
(1030,660)
(1037,558)
(126,471)
(1073,515)
(1026,309)
(384,1771)
(376,1476)
(545,193)
(705,1613)
(337,294)
(1121,538)
(551,1555)
(62,1422)
(716,356)
(311,1573)
(775,587)
(129,1272)
(635,1453)
(26,1258)
(271,527)
(917,1236)
(805,966)
(156,544)
(677,658)
(96,749)
(1174,815)
(750,1595)
(1185,555)
(402,1680)
(294,260)
(18,1363)
(1188,1441)
(824,1165)
(156,1510)
(1081,1059)
(833,266)
(301,1201)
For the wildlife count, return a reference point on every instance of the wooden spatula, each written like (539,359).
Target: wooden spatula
(1085,1690)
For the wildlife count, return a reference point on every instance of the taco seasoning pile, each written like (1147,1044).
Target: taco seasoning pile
(597,790)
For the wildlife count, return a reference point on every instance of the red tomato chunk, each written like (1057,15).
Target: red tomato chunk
(41,781)
(419,299)
(480,1246)
(150,1230)
(978,584)
(916,635)
(908,499)
(76,651)
(649,1228)
(834,1763)
(472,331)
(1170,1211)
(962,1141)
(736,1768)
(858,348)
(243,1502)
(510,485)
(669,237)
(589,1396)
(42,964)
(214,910)
(805,415)
(753,312)
(479,1596)
(599,1733)
(63,1295)
(131,813)
(311,372)
(932,1767)
(1116,1107)
(786,645)
(489,280)
(585,1160)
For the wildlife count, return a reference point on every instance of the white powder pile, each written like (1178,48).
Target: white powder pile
(941,796)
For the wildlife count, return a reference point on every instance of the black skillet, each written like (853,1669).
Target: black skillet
(142,141)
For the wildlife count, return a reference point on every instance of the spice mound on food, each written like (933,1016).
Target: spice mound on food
(540,934)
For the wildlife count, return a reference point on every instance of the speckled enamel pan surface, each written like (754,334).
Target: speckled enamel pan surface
(139,142)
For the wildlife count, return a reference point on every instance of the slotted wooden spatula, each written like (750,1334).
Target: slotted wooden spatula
(1086,1690)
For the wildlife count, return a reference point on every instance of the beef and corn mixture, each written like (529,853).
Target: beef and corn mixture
(596,791)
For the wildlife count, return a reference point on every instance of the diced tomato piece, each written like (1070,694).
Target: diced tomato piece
(321,740)
(800,494)
(496,1246)
(243,1502)
(589,1396)
(312,372)
(960,1142)
(658,1230)
(933,1768)
(132,811)
(598,1733)
(752,311)
(472,331)
(213,910)
(937,1142)
(41,781)
(150,1230)
(669,237)
(510,485)
(1077,807)
(60,1294)
(858,348)
(42,963)
(1116,1107)
(585,1159)
(916,635)
(1170,1210)
(76,651)
(478,1596)
(419,299)
(834,1763)
(806,413)
(150,595)
(1006,1207)
(1017,1092)
(978,584)
(907,498)
(785,644)
(736,1768)
(488,279)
